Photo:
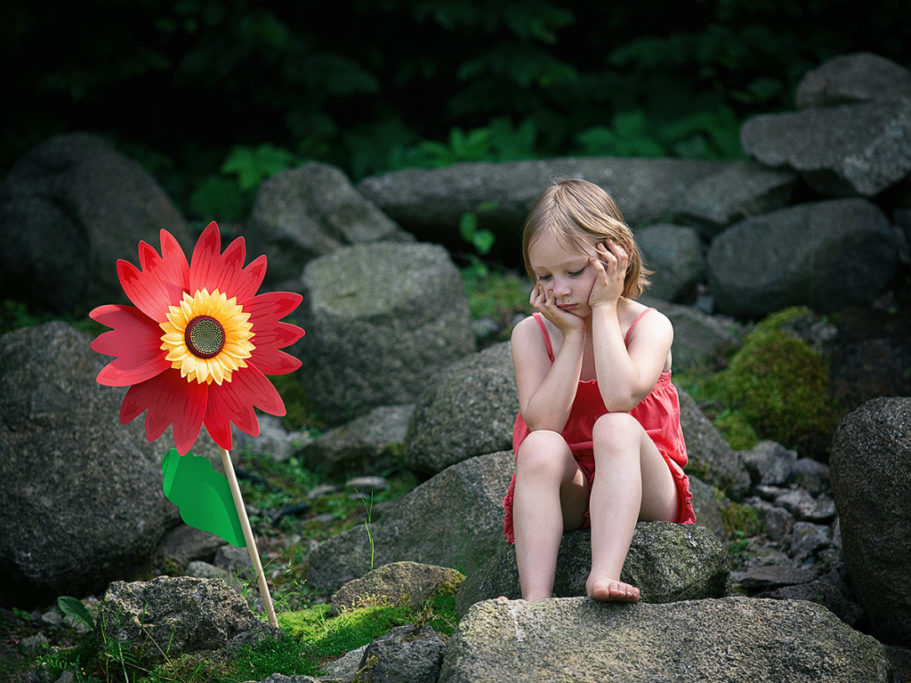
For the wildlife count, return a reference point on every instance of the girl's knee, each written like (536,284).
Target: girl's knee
(542,450)
(616,427)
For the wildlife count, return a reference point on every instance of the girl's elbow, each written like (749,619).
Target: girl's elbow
(621,404)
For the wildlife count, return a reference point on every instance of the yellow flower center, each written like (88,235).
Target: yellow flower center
(207,337)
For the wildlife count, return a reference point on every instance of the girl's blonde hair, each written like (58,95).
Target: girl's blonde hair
(583,214)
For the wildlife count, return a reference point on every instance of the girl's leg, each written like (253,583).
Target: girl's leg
(550,496)
(632,482)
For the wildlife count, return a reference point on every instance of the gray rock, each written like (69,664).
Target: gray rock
(305,212)
(806,539)
(848,150)
(829,590)
(710,457)
(739,190)
(735,638)
(777,521)
(469,409)
(773,576)
(827,255)
(168,616)
(430,203)
(409,583)
(700,340)
(871,483)
(371,443)
(69,209)
(273,440)
(769,462)
(346,666)
(676,255)
(82,494)
(708,502)
(453,520)
(666,561)
(804,506)
(382,320)
(184,544)
(406,653)
(811,475)
(857,77)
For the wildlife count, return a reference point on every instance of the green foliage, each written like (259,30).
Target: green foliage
(497,294)
(254,165)
(473,81)
(482,240)
(73,607)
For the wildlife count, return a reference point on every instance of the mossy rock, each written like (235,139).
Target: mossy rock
(777,385)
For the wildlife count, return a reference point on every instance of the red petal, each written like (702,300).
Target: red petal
(161,281)
(204,264)
(135,341)
(226,405)
(211,270)
(274,363)
(272,335)
(169,399)
(251,387)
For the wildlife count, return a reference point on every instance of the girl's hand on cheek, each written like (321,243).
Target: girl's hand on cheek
(546,305)
(610,267)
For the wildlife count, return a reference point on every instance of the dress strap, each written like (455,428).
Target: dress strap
(635,322)
(550,348)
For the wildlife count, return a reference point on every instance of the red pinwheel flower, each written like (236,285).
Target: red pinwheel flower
(199,343)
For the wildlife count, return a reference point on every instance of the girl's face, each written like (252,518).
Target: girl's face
(563,271)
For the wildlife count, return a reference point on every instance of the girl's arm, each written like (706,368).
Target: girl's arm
(547,390)
(625,375)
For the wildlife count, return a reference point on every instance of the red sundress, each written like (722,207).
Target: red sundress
(658,413)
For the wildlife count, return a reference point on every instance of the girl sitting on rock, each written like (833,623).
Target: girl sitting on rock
(598,442)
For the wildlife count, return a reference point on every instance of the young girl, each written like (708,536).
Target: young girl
(598,441)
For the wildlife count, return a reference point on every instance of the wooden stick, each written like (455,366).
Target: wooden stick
(248,535)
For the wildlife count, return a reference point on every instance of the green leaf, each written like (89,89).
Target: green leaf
(202,495)
(73,607)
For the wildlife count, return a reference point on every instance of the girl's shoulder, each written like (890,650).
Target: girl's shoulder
(638,315)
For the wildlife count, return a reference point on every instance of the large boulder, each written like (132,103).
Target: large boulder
(382,319)
(374,442)
(843,151)
(453,520)
(305,212)
(676,255)
(870,470)
(827,255)
(727,639)
(82,494)
(739,190)
(68,210)
(169,616)
(700,340)
(469,410)
(851,78)
(431,202)
(666,561)
(710,457)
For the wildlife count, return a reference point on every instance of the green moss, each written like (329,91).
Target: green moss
(777,386)
(496,294)
(329,637)
(741,519)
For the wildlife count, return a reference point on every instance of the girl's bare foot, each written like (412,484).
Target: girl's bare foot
(611,590)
